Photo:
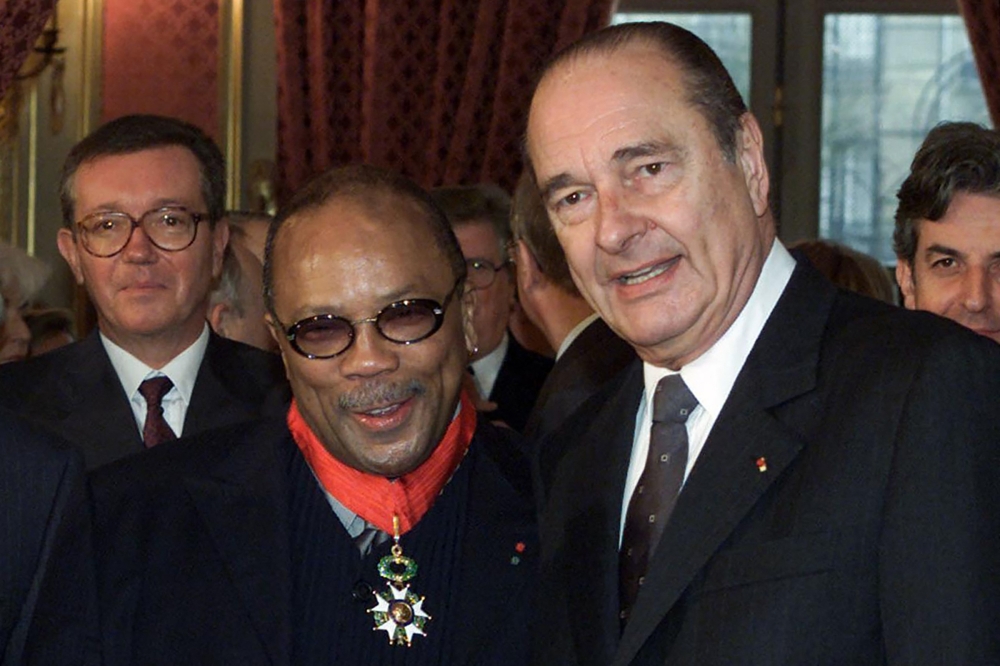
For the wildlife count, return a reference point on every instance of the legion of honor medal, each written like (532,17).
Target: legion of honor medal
(398,611)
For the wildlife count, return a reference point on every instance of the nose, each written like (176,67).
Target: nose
(139,248)
(618,227)
(977,290)
(370,354)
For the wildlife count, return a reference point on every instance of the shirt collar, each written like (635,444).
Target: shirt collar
(575,333)
(711,376)
(487,368)
(182,369)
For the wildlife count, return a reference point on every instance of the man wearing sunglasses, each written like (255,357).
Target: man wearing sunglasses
(142,197)
(380,521)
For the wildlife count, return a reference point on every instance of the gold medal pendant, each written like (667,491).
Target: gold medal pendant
(398,611)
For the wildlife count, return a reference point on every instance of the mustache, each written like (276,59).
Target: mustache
(376,394)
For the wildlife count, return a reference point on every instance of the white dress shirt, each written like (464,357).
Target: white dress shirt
(182,370)
(487,368)
(711,376)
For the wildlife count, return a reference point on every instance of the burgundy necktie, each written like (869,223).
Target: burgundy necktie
(656,493)
(156,431)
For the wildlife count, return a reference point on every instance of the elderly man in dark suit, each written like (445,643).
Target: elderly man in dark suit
(142,199)
(378,523)
(793,474)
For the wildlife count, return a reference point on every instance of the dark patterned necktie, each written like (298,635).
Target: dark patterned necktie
(656,493)
(155,431)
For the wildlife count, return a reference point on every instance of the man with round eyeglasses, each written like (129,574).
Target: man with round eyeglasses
(142,199)
(380,520)
(505,373)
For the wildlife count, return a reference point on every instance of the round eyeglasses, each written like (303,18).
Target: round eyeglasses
(482,272)
(403,322)
(106,233)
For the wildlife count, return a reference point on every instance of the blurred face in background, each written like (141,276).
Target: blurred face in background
(15,338)
(490,277)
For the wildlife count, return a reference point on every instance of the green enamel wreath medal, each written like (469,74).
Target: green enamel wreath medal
(398,611)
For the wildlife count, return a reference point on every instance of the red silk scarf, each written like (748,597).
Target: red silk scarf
(376,498)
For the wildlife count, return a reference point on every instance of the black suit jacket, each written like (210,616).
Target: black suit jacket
(75,393)
(194,563)
(593,358)
(517,385)
(47,613)
(844,509)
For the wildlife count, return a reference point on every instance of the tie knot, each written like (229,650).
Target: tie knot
(672,400)
(154,389)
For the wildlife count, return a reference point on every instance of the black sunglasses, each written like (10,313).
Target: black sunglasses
(403,322)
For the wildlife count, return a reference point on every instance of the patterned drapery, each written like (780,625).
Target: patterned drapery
(437,89)
(21,22)
(982,20)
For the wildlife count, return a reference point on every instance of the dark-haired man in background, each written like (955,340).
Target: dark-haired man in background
(947,236)
(793,474)
(380,522)
(142,198)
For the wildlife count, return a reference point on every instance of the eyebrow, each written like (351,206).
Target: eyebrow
(555,183)
(645,149)
(623,154)
(402,294)
(937,249)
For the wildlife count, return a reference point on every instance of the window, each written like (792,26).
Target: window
(728,34)
(887,80)
(862,83)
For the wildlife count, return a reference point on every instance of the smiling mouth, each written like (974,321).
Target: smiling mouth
(382,411)
(646,274)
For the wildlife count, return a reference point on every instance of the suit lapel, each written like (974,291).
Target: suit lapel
(592,476)
(730,476)
(213,404)
(242,501)
(91,408)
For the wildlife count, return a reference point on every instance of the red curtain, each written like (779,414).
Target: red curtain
(436,89)
(982,20)
(21,22)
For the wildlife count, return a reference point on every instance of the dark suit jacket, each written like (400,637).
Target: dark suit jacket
(194,562)
(75,392)
(594,357)
(46,613)
(520,378)
(844,510)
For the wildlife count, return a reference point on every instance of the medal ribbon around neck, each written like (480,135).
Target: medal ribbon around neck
(380,500)
(398,611)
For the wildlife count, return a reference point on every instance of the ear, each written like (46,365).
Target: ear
(529,273)
(70,252)
(279,337)
(904,278)
(750,154)
(220,238)
(468,307)
(218,318)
